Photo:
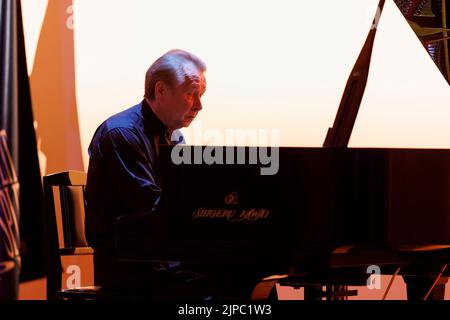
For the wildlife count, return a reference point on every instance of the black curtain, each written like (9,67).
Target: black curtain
(8,71)
(31,192)
(16,118)
(9,147)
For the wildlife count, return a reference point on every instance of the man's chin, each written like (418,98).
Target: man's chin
(187,122)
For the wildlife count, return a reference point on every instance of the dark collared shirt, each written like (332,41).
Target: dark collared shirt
(123,170)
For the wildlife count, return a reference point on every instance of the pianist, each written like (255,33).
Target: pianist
(123,176)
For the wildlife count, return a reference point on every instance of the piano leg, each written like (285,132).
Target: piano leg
(333,292)
(418,286)
(313,293)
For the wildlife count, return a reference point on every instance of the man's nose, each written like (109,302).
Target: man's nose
(198,105)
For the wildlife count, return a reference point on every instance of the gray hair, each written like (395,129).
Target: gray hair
(173,68)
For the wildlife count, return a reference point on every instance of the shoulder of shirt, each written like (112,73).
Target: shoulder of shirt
(126,120)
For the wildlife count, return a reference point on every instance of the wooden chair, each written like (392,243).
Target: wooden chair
(65,235)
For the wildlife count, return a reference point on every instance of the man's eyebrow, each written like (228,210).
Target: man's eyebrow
(200,86)
(192,86)
(193,81)
(190,77)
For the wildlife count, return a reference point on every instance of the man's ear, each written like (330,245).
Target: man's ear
(160,89)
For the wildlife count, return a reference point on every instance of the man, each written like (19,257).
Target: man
(123,177)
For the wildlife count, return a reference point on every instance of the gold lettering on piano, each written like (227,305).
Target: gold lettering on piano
(250,215)
(213,213)
(254,215)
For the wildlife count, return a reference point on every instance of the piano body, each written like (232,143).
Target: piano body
(320,200)
(309,216)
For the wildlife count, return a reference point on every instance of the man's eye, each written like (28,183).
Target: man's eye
(190,95)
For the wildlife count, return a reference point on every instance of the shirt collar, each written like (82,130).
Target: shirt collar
(152,119)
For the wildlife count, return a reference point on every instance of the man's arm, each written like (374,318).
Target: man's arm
(131,170)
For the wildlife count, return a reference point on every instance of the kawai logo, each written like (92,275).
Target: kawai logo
(250,215)
(231,214)
(232,199)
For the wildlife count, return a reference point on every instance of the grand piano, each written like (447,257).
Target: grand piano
(325,209)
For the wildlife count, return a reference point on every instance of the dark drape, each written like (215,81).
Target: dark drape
(9,147)
(31,194)
(8,72)
(16,119)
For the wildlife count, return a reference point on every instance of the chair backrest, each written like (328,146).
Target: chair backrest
(65,213)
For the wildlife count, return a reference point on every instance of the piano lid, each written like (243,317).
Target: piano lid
(430,20)
(406,101)
(435,41)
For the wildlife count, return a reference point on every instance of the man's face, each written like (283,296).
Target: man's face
(184,101)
